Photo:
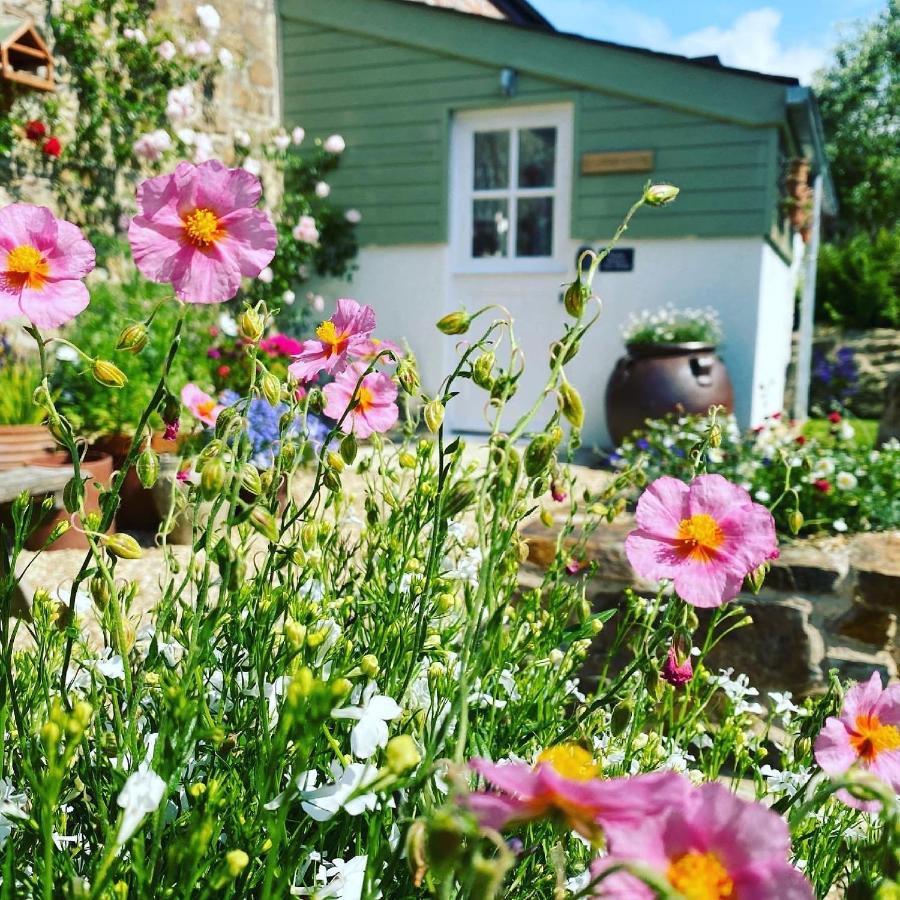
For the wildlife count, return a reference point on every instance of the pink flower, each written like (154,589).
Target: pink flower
(344,334)
(42,262)
(564,783)
(677,674)
(712,845)
(281,345)
(198,230)
(200,404)
(706,537)
(305,230)
(370,348)
(171,432)
(375,409)
(867,734)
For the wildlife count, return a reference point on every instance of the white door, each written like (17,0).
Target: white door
(511,186)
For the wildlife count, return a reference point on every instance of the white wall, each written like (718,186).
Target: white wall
(411,287)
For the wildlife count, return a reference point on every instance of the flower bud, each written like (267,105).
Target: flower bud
(715,436)
(538,455)
(675,673)
(402,754)
(795,521)
(575,298)
(660,194)
(408,375)
(108,374)
(271,388)
(73,493)
(481,371)
(434,415)
(756,578)
(455,322)
(123,545)
(369,665)
(213,475)
(316,400)
(264,522)
(170,409)
(100,592)
(621,718)
(348,448)
(250,325)
(461,495)
(308,535)
(236,861)
(570,404)
(133,338)
(335,460)
(59,529)
(147,468)
(295,633)
(332,480)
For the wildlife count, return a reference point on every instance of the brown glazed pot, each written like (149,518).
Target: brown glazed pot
(18,443)
(137,511)
(656,379)
(100,465)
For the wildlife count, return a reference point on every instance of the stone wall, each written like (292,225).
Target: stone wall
(826,604)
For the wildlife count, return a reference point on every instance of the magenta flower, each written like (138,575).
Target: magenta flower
(867,734)
(711,846)
(345,334)
(564,784)
(198,230)
(42,262)
(705,537)
(676,673)
(375,409)
(200,404)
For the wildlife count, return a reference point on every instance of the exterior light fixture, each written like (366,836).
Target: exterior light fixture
(509,79)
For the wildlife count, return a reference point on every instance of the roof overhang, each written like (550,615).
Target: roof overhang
(805,122)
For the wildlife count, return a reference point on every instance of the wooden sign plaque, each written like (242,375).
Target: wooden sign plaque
(617,162)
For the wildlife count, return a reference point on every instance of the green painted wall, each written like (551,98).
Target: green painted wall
(393,104)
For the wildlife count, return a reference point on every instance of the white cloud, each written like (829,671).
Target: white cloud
(750,42)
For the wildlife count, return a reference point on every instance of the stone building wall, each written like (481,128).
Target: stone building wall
(475,7)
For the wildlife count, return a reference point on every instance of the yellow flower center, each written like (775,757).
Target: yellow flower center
(365,398)
(206,407)
(571,761)
(202,227)
(700,876)
(332,341)
(872,738)
(699,537)
(25,267)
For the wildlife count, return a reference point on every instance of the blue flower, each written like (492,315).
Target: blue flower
(642,444)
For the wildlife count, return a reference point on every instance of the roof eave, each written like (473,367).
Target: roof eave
(806,123)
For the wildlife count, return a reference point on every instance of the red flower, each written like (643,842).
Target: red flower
(52,147)
(677,674)
(822,484)
(223,371)
(801,440)
(35,130)
(834,417)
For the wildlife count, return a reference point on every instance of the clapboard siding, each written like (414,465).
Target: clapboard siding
(393,104)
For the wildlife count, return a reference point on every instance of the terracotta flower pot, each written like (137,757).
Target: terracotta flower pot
(654,380)
(19,443)
(799,168)
(137,511)
(100,465)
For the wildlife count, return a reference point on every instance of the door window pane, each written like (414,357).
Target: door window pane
(490,228)
(534,227)
(491,160)
(537,157)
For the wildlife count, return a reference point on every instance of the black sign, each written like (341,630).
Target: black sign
(620,259)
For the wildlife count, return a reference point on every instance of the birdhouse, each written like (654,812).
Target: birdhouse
(24,57)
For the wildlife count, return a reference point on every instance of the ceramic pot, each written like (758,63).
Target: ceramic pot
(100,465)
(18,443)
(137,511)
(654,380)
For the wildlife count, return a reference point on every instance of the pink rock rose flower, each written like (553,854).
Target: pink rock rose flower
(344,335)
(375,410)
(42,262)
(203,407)
(712,845)
(198,230)
(705,537)
(867,735)
(564,783)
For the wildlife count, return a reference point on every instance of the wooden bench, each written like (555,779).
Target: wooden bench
(38,481)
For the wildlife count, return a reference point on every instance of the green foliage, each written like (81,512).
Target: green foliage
(96,410)
(18,379)
(673,326)
(858,281)
(859,96)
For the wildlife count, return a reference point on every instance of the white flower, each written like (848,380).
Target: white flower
(12,806)
(846,481)
(226,58)
(297,135)
(266,275)
(823,468)
(323,189)
(65,353)
(241,139)
(167,50)
(784,704)
(353,216)
(251,165)
(846,432)
(141,794)
(334,144)
(372,715)
(346,879)
(108,666)
(152,146)
(839,525)
(186,135)
(209,17)
(136,35)
(180,103)
(306,231)
(715,456)
(227,325)
(762,495)
(281,141)
(203,148)
(317,301)
(197,49)
(779,782)
(346,792)
(288,297)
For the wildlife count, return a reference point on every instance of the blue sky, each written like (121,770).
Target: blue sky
(782,37)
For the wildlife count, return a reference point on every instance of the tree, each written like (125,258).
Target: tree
(859,97)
